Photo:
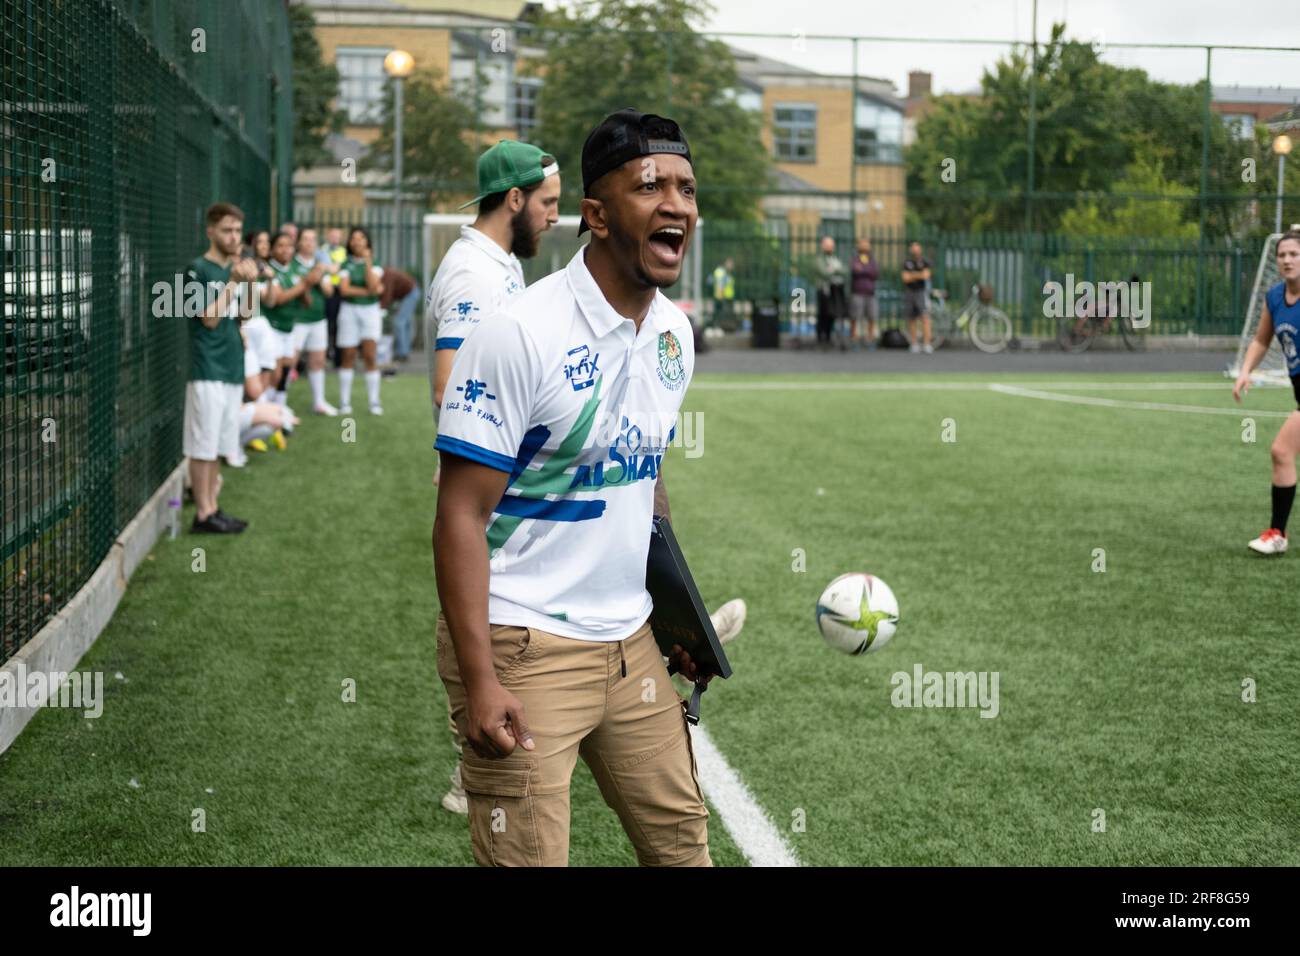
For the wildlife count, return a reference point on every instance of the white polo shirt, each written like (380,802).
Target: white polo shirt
(565,395)
(475,278)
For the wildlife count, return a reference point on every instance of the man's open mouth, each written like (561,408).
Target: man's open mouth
(666,244)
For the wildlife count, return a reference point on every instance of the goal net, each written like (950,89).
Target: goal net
(1273,366)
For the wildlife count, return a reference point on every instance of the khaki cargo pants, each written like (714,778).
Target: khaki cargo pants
(630,730)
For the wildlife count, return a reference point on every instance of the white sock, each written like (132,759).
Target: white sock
(372,386)
(255,432)
(317,379)
(345,387)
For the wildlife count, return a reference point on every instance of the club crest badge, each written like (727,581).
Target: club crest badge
(672,368)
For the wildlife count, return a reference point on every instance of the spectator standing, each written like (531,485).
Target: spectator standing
(862,298)
(916,302)
(399,287)
(830,290)
(724,292)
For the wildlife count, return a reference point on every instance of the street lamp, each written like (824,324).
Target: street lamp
(398,64)
(1281,146)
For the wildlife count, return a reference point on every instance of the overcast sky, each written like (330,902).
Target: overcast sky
(958,68)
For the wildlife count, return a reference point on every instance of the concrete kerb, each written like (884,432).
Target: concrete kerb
(61,643)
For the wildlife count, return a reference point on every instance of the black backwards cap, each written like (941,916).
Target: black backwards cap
(626,135)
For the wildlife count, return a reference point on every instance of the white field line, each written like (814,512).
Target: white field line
(931,386)
(1141,406)
(742,817)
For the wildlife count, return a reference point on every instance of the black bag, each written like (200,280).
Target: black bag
(893,339)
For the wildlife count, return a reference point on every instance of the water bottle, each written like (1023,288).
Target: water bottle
(174,511)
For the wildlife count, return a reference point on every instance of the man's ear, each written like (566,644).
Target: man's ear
(593,213)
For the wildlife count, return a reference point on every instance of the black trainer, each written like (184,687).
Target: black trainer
(239,523)
(215,523)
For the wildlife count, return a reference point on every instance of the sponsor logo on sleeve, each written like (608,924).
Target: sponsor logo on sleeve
(473,390)
(464,311)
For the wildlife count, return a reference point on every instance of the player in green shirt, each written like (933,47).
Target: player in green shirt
(361,319)
(310,331)
(216,387)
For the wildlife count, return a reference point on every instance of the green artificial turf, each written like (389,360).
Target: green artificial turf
(1119,691)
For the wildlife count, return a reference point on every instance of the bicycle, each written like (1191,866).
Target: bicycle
(1077,333)
(987,326)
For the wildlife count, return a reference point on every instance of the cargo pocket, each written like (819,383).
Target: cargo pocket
(502,822)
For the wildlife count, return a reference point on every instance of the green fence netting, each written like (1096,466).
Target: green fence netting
(121,123)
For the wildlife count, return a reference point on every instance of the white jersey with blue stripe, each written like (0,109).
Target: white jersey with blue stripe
(475,278)
(578,406)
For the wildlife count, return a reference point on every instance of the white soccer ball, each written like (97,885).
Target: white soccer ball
(857,613)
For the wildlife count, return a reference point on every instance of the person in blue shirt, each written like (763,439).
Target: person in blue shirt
(1280,318)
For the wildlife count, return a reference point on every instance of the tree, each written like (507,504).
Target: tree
(603,55)
(1093,122)
(315,85)
(435,151)
(1127,215)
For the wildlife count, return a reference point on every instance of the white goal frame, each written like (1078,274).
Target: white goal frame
(1272,367)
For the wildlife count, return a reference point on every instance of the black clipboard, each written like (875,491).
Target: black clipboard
(679,615)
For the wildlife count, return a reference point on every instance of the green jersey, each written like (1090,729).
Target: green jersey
(216,355)
(314,310)
(282,317)
(356,270)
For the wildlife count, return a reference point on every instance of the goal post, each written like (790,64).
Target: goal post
(1272,368)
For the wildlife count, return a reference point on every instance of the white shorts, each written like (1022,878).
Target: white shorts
(251,367)
(310,336)
(358,323)
(262,341)
(212,420)
(284,341)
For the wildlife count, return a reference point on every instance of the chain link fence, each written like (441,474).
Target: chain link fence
(122,122)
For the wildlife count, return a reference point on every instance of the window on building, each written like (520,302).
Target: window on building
(361,82)
(483,65)
(523,107)
(1241,124)
(746,97)
(794,132)
(878,137)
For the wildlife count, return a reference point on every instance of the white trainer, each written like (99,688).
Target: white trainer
(927,348)
(914,348)
(345,409)
(376,409)
(325,408)
(1271,541)
(729,619)
(455,800)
